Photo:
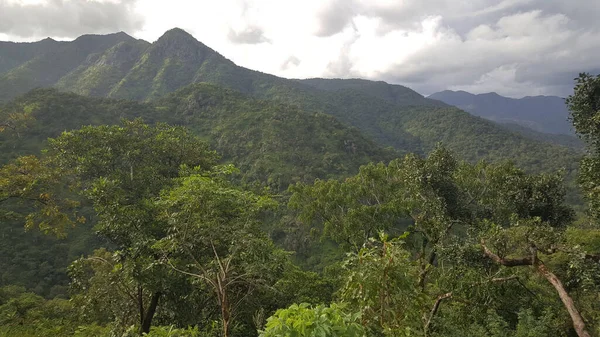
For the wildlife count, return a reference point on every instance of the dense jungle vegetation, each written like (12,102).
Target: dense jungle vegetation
(189,245)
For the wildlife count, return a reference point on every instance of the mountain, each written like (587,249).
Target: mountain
(52,63)
(392,115)
(546,114)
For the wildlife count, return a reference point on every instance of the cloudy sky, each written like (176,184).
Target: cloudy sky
(513,47)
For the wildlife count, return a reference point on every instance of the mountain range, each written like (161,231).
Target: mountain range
(119,66)
(547,114)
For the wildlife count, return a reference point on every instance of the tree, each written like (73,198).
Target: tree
(30,189)
(381,284)
(120,170)
(444,204)
(16,117)
(584,106)
(214,237)
(27,314)
(534,260)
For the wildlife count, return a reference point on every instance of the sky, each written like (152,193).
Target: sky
(513,47)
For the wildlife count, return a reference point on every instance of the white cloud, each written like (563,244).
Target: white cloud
(31,19)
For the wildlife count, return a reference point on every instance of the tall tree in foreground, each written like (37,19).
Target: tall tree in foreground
(120,170)
(214,237)
(584,106)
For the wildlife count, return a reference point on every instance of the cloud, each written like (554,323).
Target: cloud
(250,35)
(290,62)
(341,67)
(523,53)
(408,14)
(514,47)
(67,18)
(334,17)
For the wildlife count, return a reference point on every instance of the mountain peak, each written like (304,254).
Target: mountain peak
(446,94)
(178,37)
(182,44)
(178,34)
(490,94)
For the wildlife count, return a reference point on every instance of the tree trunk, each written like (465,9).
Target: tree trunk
(140,298)
(149,315)
(225,314)
(578,322)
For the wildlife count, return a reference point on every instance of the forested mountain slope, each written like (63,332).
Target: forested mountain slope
(570,141)
(197,247)
(271,142)
(50,65)
(13,54)
(392,93)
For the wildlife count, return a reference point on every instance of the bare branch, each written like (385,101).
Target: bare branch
(504,279)
(434,310)
(524,261)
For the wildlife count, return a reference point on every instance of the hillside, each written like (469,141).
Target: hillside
(392,93)
(546,114)
(274,143)
(570,141)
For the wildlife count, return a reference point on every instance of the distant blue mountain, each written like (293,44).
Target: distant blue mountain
(546,114)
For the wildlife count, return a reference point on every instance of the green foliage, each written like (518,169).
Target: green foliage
(434,193)
(105,289)
(170,331)
(392,115)
(584,105)
(121,170)
(320,321)
(569,141)
(446,207)
(214,237)
(29,181)
(292,143)
(97,75)
(184,240)
(273,143)
(299,286)
(381,283)
(27,314)
(494,325)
